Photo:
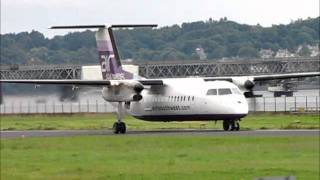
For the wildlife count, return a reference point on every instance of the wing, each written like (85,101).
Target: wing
(81,82)
(284,76)
(160,82)
(264,77)
(60,82)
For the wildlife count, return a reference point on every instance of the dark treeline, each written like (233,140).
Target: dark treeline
(222,38)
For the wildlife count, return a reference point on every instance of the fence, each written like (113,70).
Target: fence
(259,104)
(284,104)
(56,107)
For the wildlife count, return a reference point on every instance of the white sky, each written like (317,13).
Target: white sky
(26,15)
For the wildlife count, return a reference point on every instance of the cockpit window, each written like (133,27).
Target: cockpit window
(235,91)
(224,91)
(212,92)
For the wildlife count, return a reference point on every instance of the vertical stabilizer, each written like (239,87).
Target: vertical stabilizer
(108,56)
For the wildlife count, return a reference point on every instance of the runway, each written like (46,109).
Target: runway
(249,133)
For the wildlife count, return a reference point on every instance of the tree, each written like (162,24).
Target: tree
(38,39)
(218,52)
(219,39)
(39,54)
(248,52)
(304,51)
(304,38)
(171,54)
(13,56)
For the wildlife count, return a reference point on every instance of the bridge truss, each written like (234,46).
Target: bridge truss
(225,68)
(171,69)
(41,72)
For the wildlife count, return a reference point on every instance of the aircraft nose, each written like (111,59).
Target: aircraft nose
(240,107)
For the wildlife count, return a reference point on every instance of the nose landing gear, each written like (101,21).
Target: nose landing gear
(231,125)
(119,126)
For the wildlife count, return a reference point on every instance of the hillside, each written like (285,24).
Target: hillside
(218,39)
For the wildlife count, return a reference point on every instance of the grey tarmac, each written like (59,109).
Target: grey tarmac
(188,132)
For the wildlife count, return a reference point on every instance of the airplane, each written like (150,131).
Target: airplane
(175,99)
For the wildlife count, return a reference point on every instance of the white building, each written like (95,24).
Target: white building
(282,53)
(266,53)
(314,51)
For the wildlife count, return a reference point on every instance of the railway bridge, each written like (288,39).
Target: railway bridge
(172,69)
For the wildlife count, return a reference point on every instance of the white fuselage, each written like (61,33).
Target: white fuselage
(186,99)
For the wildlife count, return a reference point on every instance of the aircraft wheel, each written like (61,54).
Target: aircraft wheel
(122,127)
(226,125)
(116,128)
(119,127)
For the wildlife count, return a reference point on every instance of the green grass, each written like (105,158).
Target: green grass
(159,157)
(105,121)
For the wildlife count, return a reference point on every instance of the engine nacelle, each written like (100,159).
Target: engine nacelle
(244,83)
(123,91)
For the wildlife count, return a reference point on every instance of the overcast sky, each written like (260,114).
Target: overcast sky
(26,15)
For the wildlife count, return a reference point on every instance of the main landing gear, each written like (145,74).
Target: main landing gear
(119,126)
(231,125)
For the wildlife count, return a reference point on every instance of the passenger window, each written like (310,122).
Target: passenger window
(188,98)
(224,91)
(212,92)
(192,98)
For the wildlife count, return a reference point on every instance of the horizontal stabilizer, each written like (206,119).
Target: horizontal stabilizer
(78,27)
(133,25)
(103,26)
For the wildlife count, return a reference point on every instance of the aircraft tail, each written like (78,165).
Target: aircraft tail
(109,58)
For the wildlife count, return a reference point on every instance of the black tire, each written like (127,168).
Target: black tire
(116,128)
(122,127)
(226,125)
